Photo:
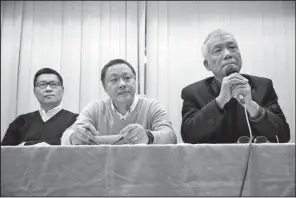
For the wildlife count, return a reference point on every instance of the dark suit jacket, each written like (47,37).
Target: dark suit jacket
(204,122)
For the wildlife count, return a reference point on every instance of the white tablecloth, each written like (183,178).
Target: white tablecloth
(148,170)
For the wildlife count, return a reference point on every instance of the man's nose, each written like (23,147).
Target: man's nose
(227,54)
(48,88)
(122,83)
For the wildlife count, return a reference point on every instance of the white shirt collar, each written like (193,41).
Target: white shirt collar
(46,116)
(131,109)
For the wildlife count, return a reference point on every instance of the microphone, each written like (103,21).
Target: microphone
(241,99)
(241,96)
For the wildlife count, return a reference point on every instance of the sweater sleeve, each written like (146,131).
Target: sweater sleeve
(162,129)
(13,135)
(86,116)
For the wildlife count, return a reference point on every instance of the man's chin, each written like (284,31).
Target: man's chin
(231,68)
(50,101)
(125,98)
(51,104)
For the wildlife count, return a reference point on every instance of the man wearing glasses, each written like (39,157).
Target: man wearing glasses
(213,108)
(46,125)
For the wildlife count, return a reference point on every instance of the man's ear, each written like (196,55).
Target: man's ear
(34,91)
(206,64)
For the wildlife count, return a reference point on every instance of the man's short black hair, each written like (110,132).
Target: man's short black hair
(47,71)
(114,62)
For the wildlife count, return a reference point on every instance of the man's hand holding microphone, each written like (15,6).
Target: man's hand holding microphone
(236,86)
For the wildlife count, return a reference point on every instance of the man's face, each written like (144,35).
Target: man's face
(223,56)
(48,94)
(120,84)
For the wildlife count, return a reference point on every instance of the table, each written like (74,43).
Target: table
(148,170)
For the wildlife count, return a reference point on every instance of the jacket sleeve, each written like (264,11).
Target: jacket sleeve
(13,136)
(199,123)
(274,122)
(162,129)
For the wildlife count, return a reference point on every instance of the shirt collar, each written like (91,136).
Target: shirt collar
(45,116)
(132,107)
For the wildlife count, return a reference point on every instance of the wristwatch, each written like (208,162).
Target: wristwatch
(150,137)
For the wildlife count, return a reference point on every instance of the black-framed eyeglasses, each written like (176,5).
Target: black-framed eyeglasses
(52,84)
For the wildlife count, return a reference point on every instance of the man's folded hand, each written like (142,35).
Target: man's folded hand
(134,134)
(84,134)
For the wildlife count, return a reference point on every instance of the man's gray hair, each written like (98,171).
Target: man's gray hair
(213,34)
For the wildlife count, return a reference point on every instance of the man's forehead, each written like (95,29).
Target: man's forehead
(45,77)
(119,73)
(220,39)
(119,69)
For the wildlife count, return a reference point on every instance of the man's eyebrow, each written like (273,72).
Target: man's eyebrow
(122,74)
(126,73)
(217,45)
(45,81)
(113,74)
(231,42)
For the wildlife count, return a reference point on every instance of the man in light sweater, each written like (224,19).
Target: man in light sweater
(125,118)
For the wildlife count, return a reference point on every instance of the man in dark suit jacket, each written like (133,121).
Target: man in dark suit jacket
(213,108)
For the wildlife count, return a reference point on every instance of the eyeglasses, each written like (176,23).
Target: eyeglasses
(258,139)
(52,84)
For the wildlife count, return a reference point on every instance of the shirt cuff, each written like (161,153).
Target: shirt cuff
(257,119)
(65,139)
(22,144)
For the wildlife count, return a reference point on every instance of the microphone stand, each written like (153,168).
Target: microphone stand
(248,154)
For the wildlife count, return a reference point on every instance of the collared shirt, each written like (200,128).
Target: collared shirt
(130,110)
(46,116)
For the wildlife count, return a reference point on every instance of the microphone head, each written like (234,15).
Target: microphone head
(241,98)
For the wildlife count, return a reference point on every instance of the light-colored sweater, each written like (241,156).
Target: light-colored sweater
(148,112)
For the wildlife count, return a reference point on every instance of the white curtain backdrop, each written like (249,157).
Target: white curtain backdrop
(73,37)
(265,32)
(77,38)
